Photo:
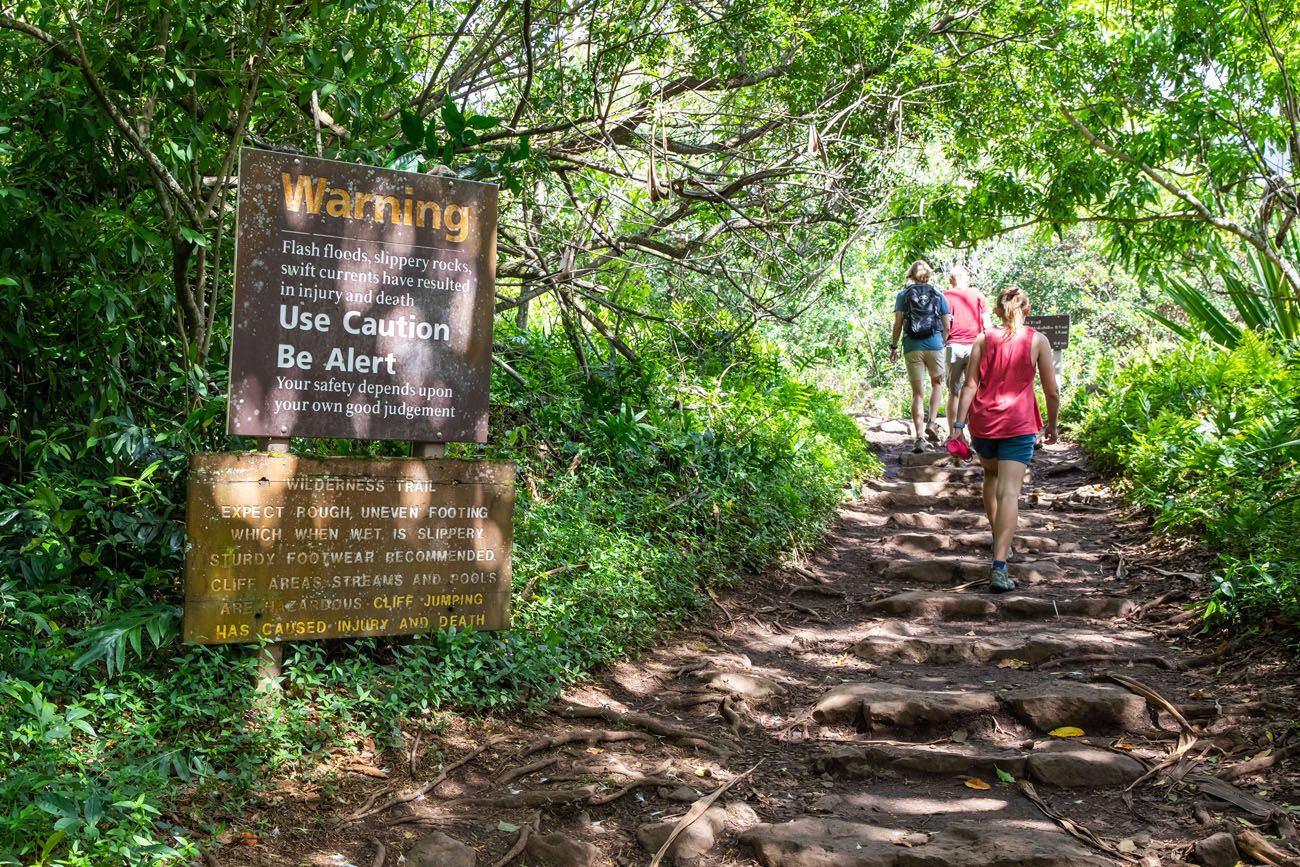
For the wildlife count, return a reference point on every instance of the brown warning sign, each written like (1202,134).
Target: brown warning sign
(295,548)
(363,302)
(1055,327)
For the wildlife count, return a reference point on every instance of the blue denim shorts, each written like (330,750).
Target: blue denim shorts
(1019,449)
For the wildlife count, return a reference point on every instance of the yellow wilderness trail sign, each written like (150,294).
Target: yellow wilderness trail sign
(287,548)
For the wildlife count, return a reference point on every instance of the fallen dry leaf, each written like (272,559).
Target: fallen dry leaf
(1127,846)
(976,783)
(1067,732)
(1013,663)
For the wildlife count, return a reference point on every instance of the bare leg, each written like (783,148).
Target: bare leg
(1011,475)
(954,399)
(990,491)
(936,395)
(918,406)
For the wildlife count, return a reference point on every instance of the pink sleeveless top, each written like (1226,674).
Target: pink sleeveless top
(1005,405)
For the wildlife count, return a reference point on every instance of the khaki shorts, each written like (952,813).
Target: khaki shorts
(919,363)
(958,355)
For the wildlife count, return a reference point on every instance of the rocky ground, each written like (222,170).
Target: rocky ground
(874,707)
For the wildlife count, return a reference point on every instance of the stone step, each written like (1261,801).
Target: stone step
(961,570)
(941,473)
(1096,708)
(929,458)
(1060,763)
(824,842)
(1093,707)
(965,520)
(932,605)
(1028,543)
(906,501)
(882,705)
(924,543)
(900,641)
(955,487)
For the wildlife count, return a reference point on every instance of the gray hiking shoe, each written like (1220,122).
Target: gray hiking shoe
(918,446)
(1000,581)
(932,432)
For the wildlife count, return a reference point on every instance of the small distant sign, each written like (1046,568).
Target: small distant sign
(363,302)
(1056,328)
(285,548)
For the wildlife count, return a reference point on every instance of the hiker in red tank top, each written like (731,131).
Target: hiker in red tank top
(999,400)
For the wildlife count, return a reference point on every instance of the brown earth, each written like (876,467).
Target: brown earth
(874,706)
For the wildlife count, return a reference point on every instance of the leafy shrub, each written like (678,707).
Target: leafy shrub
(1209,441)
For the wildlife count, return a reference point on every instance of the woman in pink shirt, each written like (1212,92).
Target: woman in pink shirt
(998,398)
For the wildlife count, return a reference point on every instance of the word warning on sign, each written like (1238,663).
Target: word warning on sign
(288,548)
(363,302)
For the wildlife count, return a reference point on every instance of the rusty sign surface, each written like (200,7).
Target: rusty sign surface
(296,548)
(363,302)
(1056,328)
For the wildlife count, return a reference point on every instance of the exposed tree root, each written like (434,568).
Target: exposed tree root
(521,843)
(525,770)
(629,787)
(536,798)
(820,591)
(652,724)
(412,794)
(1255,765)
(1255,845)
(581,736)
(381,852)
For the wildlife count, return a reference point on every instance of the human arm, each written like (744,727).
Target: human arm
(893,338)
(945,317)
(1051,391)
(986,321)
(968,390)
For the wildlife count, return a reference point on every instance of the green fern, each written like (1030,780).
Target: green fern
(110,641)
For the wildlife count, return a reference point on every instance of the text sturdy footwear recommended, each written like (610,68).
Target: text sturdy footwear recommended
(1000,581)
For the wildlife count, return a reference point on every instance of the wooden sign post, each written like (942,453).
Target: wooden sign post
(363,310)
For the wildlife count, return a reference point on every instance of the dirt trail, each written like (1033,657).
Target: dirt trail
(889,713)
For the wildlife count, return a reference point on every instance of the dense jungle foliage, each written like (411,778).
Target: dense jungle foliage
(1207,440)
(705,208)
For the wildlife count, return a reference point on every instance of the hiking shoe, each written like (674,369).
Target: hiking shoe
(919,446)
(932,432)
(1000,581)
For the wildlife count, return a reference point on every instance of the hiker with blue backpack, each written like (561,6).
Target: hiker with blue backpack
(922,319)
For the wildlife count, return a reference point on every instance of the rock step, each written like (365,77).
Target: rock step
(905,501)
(925,543)
(965,520)
(961,570)
(905,642)
(954,487)
(931,605)
(1059,763)
(1096,708)
(929,459)
(940,473)
(822,842)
